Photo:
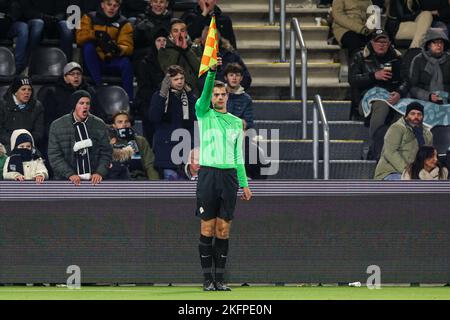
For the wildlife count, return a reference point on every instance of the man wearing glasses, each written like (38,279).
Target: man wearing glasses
(378,65)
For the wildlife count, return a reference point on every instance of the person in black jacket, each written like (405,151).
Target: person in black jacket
(369,69)
(406,21)
(49,17)
(200,17)
(131,9)
(11,27)
(19,110)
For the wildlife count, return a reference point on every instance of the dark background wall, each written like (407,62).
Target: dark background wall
(289,232)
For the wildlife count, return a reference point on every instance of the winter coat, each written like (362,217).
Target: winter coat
(442,6)
(240,105)
(419,77)
(118,28)
(196,22)
(149,77)
(185,58)
(350,15)
(30,118)
(400,149)
(62,139)
(425,175)
(364,65)
(146,27)
(31,169)
(165,124)
(34,9)
(398,11)
(56,101)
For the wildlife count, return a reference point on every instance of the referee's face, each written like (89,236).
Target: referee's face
(219,99)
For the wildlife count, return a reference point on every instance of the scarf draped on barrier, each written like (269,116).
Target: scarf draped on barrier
(434,114)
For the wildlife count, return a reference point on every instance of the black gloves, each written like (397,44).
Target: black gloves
(106,43)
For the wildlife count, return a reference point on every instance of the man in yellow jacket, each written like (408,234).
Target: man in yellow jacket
(107,41)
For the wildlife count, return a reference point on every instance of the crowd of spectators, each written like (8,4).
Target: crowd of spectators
(67,131)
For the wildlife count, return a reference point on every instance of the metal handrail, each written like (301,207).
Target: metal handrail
(271,12)
(283,30)
(296,34)
(318,110)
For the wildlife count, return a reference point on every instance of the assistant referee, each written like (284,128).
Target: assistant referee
(222,172)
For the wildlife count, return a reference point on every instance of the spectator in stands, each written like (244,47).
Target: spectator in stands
(155,18)
(200,17)
(24,163)
(107,41)
(441,13)
(11,27)
(401,143)
(368,70)
(20,110)
(142,159)
(406,21)
(121,156)
(3,157)
(430,70)
(239,103)
(55,102)
(149,76)
(78,146)
(349,25)
(172,108)
(191,168)
(228,55)
(48,17)
(426,166)
(179,51)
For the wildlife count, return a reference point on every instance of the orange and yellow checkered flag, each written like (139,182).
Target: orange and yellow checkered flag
(211,50)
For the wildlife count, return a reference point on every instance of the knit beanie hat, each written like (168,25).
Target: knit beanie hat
(413,106)
(22,138)
(76,96)
(19,82)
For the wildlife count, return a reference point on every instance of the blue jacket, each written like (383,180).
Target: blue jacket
(240,105)
(166,123)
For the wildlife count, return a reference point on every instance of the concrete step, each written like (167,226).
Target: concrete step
(292,110)
(329,89)
(339,130)
(339,169)
(279,71)
(317,52)
(258,34)
(303,149)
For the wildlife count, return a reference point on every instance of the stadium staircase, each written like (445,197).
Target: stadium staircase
(259,45)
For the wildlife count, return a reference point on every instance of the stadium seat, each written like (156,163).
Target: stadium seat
(7,65)
(112,99)
(441,139)
(47,64)
(43,91)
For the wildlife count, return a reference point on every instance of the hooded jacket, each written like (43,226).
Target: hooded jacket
(31,169)
(364,65)
(399,149)
(419,76)
(196,22)
(118,28)
(30,118)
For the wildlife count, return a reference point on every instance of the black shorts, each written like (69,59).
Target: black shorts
(216,193)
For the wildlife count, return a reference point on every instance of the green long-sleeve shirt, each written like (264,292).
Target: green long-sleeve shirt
(221,135)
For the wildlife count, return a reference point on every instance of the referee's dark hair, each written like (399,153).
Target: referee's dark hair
(219,84)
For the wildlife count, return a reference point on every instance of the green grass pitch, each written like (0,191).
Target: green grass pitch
(238,293)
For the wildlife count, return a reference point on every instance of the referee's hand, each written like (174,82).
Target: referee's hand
(246,194)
